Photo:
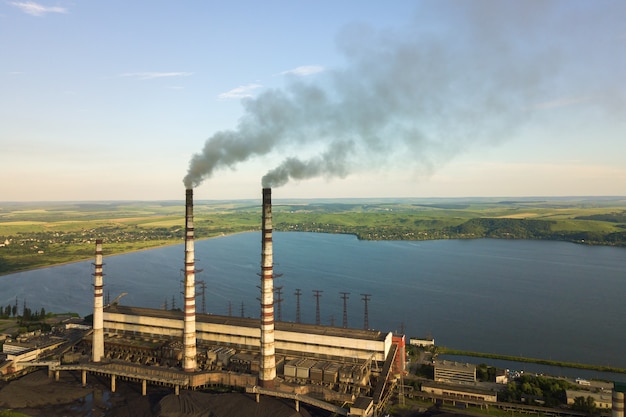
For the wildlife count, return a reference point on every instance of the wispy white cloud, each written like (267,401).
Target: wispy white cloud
(561,102)
(153,75)
(304,70)
(36,9)
(240,92)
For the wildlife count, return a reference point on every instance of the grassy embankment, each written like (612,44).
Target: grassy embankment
(592,222)
(600,368)
(41,234)
(10,413)
(44,234)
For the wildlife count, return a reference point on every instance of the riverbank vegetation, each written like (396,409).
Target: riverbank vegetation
(601,368)
(539,390)
(14,321)
(40,234)
(10,413)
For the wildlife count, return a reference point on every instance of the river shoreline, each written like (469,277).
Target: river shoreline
(524,298)
(118,253)
(572,365)
(357,235)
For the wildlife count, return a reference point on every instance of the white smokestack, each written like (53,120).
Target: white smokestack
(189,331)
(267,373)
(98,320)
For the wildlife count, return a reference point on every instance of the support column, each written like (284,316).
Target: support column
(143,387)
(112,383)
(177,390)
(298,406)
(83,377)
(57,375)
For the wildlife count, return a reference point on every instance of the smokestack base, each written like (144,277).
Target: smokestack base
(269,384)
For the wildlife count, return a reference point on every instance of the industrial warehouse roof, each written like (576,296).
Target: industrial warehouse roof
(452,365)
(457,387)
(251,322)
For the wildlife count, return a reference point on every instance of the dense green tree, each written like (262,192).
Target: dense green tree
(586,405)
(486,373)
(26,314)
(425,371)
(88,319)
(550,390)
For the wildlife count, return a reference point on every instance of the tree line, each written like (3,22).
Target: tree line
(28,316)
(477,228)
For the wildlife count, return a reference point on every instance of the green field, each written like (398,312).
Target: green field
(34,235)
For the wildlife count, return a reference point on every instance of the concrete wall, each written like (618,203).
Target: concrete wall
(226,334)
(461,373)
(602,400)
(246,334)
(422,342)
(142,325)
(331,346)
(459,393)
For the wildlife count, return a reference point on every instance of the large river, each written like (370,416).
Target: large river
(541,299)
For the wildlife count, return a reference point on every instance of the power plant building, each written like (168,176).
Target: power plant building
(322,366)
(455,372)
(244,334)
(253,351)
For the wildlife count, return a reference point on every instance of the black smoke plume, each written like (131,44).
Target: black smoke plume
(413,97)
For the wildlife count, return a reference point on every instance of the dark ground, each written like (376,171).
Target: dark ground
(38,396)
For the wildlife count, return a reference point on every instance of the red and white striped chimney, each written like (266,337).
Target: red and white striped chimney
(97,346)
(189,330)
(267,373)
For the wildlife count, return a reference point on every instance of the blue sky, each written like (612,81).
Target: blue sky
(112,100)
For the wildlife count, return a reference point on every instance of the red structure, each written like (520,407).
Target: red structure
(399,362)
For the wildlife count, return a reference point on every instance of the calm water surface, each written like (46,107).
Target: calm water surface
(551,300)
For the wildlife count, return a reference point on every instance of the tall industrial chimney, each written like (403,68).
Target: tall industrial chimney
(97,346)
(189,331)
(267,373)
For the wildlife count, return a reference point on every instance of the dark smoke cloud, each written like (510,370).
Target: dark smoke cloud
(331,163)
(413,97)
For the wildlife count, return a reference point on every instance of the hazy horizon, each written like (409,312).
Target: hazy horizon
(278,200)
